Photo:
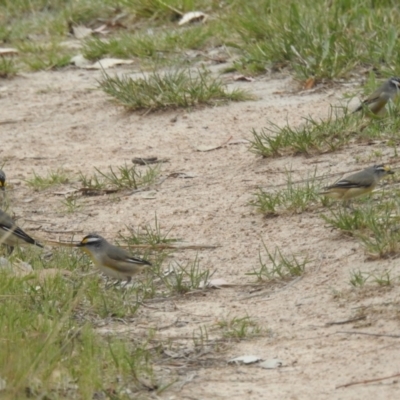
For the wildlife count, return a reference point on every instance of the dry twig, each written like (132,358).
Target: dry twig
(367,381)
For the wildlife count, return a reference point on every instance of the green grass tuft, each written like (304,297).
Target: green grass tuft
(172,89)
(8,68)
(50,345)
(280,267)
(311,137)
(239,328)
(294,198)
(373,222)
(53,178)
(121,177)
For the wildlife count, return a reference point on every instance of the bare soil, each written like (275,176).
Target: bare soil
(51,120)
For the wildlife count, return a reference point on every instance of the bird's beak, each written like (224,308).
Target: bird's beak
(388,170)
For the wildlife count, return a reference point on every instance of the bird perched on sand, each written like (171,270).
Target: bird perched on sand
(12,235)
(357,184)
(112,260)
(377,101)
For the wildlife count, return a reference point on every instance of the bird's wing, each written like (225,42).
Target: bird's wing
(121,255)
(380,97)
(347,184)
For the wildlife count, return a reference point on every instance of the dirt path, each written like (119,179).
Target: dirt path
(51,120)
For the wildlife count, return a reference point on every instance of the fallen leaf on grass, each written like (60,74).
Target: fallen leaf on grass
(243,78)
(309,84)
(111,23)
(80,32)
(80,61)
(193,16)
(101,30)
(8,51)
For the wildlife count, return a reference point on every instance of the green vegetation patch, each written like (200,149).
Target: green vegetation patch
(172,89)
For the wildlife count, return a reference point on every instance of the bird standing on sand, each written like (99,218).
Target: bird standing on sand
(112,260)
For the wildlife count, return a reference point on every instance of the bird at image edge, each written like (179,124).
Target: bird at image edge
(3,197)
(357,184)
(2,180)
(377,101)
(12,235)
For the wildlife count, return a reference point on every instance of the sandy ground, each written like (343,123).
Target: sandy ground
(51,120)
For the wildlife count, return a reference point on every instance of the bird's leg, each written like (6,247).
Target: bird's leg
(10,249)
(128,280)
(109,283)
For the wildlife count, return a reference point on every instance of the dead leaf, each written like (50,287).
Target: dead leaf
(101,30)
(214,283)
(80,32)
(108,63)
(8,51)
(243,78)
(193,16)
(309,84)
(245,360)
(80,61)
(114,22)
